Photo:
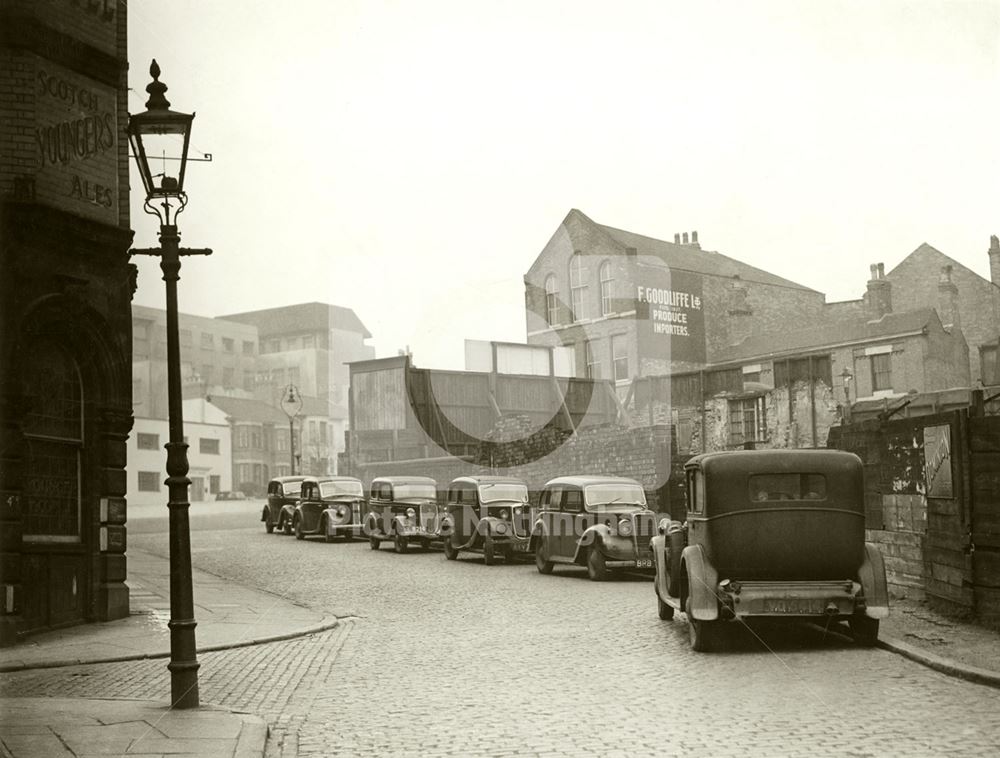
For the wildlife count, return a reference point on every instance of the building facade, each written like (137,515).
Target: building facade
(309,345)
(207,432)
(65,292)
(633,306)
(218,357)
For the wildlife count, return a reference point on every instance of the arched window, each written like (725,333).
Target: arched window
(577,287)
(607,288)
(551,300)
(53,429)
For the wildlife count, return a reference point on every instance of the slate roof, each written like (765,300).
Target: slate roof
(243,409)
(689,258)
(826,335)
(303,317)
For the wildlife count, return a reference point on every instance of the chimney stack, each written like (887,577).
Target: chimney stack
(948,300)
(879,296)
(994,260)
(694,240)
(739,311)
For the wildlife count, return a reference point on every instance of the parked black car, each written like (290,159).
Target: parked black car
(281,491)
(330,506)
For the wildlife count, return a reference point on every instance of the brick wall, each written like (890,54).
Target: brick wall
(915,285)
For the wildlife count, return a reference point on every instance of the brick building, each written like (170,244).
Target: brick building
(66,286)
(635,306)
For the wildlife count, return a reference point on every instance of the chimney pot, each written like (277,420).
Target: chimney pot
(694,238)
(881,271)
(677,239)
(994,253)
(685,237)
(874,271)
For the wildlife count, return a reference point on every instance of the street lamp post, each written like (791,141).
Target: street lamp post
(162,134)
(847,376)
(291,404)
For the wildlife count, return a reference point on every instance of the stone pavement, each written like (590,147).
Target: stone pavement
(228,616)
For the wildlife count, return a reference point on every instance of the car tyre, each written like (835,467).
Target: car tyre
(664,610)
(489,552)
(348,535)
(401,543)
(702,634)
(542,563)
(286,526)
(299,534)
(597,568)
(864,630)
(268,526)
(374,542)
(450,551)
(324,527)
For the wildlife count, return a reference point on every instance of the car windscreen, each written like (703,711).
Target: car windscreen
(292,488)
(771,487)
(333,489)
(491,493)
(613,494)
(406,491)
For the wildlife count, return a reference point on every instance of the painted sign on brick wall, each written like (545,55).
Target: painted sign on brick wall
(75,140)
(669,314)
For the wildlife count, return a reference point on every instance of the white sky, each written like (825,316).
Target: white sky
(410,160)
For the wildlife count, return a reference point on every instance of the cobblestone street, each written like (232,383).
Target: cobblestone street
(439,658)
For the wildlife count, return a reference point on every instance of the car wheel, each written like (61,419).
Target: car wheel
(425,545)
(450,551)
(325,529)
(489,552)
(597,569)
(864,630)
(702,634)
(374,542)
(402,544)
(268,526)
(286,526)
(664,610)
(299,534)
(348,535)
(542,563)
(674,548)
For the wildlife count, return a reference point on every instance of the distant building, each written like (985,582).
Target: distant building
(309,345)
(635,306)
(207,431)
(218,357)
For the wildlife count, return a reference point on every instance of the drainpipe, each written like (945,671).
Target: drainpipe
(812,401)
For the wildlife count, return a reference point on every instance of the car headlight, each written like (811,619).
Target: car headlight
(410,513)
(517,510)
(504,515)
(340,513)
(500,528)
(625,527)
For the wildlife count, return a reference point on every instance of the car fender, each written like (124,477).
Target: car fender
(873,582)
(264,514)
(537,530)
(595,536)
(658,547)
(699,583)
(287,512)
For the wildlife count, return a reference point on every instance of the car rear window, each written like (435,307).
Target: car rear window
(772,487)
(292,488)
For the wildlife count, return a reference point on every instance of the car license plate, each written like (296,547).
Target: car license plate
(644,563)
(793,606)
